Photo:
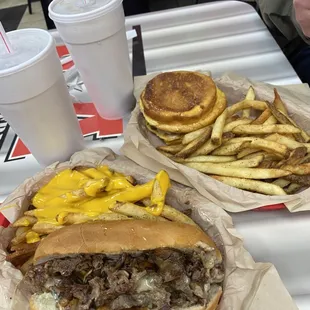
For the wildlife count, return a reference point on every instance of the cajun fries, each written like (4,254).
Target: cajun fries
(250,140)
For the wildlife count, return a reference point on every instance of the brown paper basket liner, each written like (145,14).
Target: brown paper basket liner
(248,285)
(140,146)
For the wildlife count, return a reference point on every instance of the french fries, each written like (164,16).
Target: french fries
(25,221)
(45,228)
(244,146)
(269,146)
(263,129)
(246,173)
(205,149)
(217,131)
(246,104)
(191,136)
(278,102)
(262,118)
(77,218)
(209,159)
(249,96)
(171,214)
(251,185)
(130,209)
(230,126)
(229,149)
(195,144)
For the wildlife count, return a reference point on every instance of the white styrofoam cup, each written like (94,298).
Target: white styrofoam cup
(96,38)
(34,97)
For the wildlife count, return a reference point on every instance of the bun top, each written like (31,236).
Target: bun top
(178,95)
(119,236)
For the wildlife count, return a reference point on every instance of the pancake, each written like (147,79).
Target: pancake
(179,126)
(178,96)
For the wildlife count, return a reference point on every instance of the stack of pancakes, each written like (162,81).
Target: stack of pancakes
(174,103)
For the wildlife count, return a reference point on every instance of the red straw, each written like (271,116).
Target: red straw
(6,40)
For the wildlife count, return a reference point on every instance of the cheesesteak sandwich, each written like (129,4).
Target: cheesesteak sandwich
(124,265)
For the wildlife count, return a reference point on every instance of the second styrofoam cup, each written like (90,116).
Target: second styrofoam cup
(94,32)
(34,97)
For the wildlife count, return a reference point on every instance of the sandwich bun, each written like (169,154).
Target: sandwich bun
(178,95)
(114,237)
(120,237)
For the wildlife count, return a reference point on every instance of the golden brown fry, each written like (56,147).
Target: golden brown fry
(278,102)
(25,221)
(30,213)
(269,146)
(244,163)
(205,149)
(284,119)
(217,131)
(20,237)
(251,185)
(172,149)
(249,96)
(262,118)
(302,169)
(295,158)
(45,228)
(291,144)
(210,159)
(267,156)
(271,120)
(21,230)
(242,121)
(246,152)
(191,136)
(229,149)
(134,211)
(247,173)
(281,182)
(174,215)
(293,188)
(239,139)
(171,214)
(245,104)
(195,144)
(77,218)
(263,129)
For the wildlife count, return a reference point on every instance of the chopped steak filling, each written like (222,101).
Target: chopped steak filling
(157,279)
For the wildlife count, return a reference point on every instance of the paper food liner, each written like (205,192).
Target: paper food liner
(248,285)
(140,146)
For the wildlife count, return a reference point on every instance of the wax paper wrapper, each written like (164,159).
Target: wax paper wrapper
(140,146)
(248,285)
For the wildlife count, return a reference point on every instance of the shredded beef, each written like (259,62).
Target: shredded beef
(156,279)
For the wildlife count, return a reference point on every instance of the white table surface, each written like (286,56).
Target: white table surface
(230,36)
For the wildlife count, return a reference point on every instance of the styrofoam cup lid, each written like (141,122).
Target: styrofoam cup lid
(70,11)
(29,45)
